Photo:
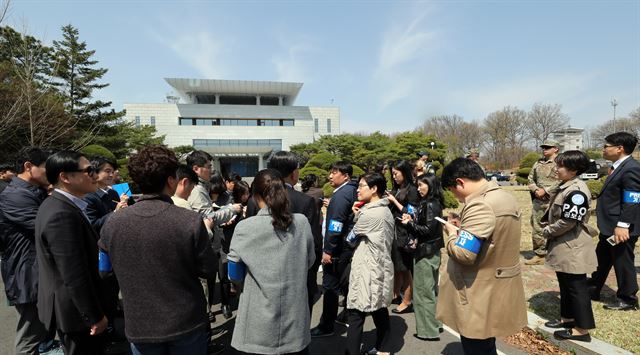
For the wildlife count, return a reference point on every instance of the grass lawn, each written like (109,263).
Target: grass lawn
(541,288)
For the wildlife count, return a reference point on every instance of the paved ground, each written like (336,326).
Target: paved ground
(402,339)
(540,287)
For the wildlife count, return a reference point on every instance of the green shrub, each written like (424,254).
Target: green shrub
(322,160)
(595,186)
(522,181)
(357,171)
(523,172)
(321,174)
(450,200)
(327,189)
(95,150)
(529,159)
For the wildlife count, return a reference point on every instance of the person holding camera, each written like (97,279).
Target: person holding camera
(426,264)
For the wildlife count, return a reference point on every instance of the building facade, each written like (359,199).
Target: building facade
(570,138)
(238,122)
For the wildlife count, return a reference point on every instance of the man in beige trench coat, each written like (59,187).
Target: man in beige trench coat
(481,292)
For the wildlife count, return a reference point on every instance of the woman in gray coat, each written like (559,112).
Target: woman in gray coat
(371,278)
(570,249)
(273,250)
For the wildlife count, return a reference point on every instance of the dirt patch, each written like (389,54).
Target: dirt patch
(533,343)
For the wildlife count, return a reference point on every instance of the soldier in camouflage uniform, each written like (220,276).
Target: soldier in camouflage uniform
(474,154)
(542,179)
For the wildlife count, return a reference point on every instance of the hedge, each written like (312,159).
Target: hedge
(595,186)
(94,150)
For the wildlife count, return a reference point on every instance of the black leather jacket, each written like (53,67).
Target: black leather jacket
(427,229)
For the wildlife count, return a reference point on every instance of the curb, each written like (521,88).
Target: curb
(596,346)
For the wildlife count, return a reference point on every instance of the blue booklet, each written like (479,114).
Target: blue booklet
(122,189)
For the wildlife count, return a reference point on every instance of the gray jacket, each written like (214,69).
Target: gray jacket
(273,314)
(371,278)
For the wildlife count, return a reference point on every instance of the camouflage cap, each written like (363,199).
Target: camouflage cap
(422,153)
(473,151)
(550,143)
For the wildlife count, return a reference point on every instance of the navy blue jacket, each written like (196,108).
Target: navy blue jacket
(99,208)
(339,221)
(618,200)
(19,204)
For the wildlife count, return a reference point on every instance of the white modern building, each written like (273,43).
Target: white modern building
(238,122)
(569,138)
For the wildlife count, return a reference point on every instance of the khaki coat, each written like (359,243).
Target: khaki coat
(570,247)
(371,277)
(482,296)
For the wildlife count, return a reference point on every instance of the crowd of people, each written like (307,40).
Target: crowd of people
(76,254)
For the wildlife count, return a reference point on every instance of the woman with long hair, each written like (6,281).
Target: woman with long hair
(310,188)
(426,258)
(403,198)
(269,256)
(371,277)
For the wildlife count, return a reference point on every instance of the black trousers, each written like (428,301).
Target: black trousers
(478,346)
(225,284)
(81,343)
(575,300)
(621,257)
(335,280)
(356,322)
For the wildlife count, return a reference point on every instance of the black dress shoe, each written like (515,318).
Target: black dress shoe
(557,323)
(318,332)
(407,309)
(426,338)
(396,300)
(566,334)
(226,311)
(621,306)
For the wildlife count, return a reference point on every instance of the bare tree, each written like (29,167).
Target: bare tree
(459,135)
(506,135)
(629,124)
(543,119)
(4,9)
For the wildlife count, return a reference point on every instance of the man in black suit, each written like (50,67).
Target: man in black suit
(66,244)
(618,213)
(287,164)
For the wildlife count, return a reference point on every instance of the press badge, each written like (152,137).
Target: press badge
(335,226)
(575,206)
(469,242)
(631,196)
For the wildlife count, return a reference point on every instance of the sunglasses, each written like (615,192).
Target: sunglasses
(89,170)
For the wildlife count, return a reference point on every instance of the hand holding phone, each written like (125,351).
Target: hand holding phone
(612,240)
(447,223)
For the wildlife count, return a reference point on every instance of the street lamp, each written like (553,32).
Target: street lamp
(614,103)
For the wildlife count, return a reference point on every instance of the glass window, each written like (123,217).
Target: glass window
(186,122)
(315,125)
(202,122)
(329,125)
(287,123)
(137,121)
(153,120)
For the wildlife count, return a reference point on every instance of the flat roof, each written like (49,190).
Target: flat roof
(185,86)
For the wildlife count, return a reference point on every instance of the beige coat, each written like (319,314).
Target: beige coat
(482,296)
(570,247)
(371,278)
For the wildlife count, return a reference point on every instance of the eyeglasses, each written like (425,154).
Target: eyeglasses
(609,145)
(89,170)
(546,148)
(363,185)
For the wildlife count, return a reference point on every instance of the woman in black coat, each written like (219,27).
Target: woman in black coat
(403,199)
(428,233)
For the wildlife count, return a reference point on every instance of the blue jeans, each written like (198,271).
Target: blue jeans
(194,343)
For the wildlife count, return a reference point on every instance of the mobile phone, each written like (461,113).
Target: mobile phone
(399,218)
(446,222)
(612,240)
